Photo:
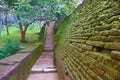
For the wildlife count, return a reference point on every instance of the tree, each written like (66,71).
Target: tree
(1,27)
(4,12)
(51,9)
(25,17)
(7,30)
(28,11)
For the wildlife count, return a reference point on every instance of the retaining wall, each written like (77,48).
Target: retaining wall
(18,66)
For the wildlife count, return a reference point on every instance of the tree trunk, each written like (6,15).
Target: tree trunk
(23,32)
(7,30)
(0,34)
(23,39)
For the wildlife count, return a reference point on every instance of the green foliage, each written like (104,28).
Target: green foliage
(42,34)
(10,2)
(44,9)
(10,48)
(94,49)
(2,55)
(30,36)
(62,31)
(34,28)
(25,12)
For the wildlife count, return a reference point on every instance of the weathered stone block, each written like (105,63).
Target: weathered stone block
(98,71)
(92,74)
(114,18)
(112,45)
(115,55)
(107,77)
(112,72)
(113,32)
(86,47)
(105,33)
(110,62)
(95,43)
(93,55)
(111,38)
(86,35)
(97,38)
(118,66)
(100,58)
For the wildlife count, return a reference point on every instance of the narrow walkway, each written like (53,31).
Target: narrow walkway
(44,68)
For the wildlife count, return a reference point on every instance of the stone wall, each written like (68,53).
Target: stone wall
(18,66)
(88,42)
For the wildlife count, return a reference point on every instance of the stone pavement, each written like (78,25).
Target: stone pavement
(44,68)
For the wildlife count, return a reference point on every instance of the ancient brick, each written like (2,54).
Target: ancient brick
(105,33)
(114,18)
(118,66)
(110,62)
(114,46)
(92,45)
(92,74)
(98,71)
(112,38)
(115,55)
(113,32)
(95,43)
(94,55)
(97,38)
(108,77)
(112,72)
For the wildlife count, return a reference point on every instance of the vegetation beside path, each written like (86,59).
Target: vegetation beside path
(10,44)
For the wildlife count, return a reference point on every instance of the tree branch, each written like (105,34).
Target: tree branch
(25,28)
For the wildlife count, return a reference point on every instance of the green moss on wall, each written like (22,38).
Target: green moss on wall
(85,42)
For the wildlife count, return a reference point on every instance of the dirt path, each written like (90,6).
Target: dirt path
(44,68)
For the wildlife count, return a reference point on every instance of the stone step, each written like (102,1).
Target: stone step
(44,68)
(43,76)
(49,70)
(50,44)
(47,47)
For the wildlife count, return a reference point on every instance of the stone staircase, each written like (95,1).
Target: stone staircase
(44,68)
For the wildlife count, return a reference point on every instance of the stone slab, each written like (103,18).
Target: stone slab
(43,76)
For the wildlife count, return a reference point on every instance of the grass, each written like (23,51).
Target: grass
(8,49)
(15,35)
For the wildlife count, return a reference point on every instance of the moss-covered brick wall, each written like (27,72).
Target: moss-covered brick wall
(88,42)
